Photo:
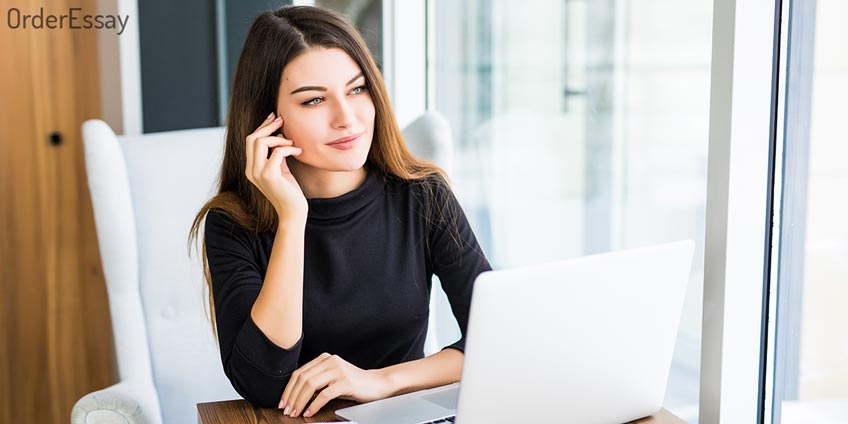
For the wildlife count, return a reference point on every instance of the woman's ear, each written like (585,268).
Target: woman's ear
(279,132)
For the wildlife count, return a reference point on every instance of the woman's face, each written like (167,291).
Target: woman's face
(323,97)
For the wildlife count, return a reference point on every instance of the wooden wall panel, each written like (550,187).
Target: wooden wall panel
(54,320)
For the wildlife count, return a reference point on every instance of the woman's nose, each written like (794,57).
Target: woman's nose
(344,115)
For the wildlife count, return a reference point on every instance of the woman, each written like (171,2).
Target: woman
(318,255)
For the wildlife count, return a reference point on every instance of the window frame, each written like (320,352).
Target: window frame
(740,185)
(798,46)
(405,48)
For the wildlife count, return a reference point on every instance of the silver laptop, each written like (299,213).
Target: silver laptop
(587,340)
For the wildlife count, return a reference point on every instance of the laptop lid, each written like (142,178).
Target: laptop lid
(588,339)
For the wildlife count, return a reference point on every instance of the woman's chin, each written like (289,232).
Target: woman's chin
(337,164)
(350,165)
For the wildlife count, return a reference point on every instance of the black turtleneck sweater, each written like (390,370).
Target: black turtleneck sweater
(369,257)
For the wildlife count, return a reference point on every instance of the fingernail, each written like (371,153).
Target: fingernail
(280,405)
(286,412)
(307,413)
(270,115)
(278,118)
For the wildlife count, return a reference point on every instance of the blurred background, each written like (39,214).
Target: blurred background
(579,127)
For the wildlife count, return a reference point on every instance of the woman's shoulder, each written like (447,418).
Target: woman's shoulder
(221,226)
(225,235)
(431,188)
(219,217)
(223,220)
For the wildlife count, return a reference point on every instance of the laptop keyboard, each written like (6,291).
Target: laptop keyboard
(442,420)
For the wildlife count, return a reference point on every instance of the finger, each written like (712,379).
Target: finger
(276,165)
(291,141)
(248,149)
(275,162)
(263,131)
(282,137)
(301,385)
(268,128)
(278,139)
(260,151)
(334,390)
(305,384)
(311,385)
(273,142)
(277,136)
(268,121)
(296,375)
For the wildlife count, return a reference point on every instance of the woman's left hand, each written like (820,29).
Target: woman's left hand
(332,377)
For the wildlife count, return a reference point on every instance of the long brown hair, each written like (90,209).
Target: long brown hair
(275,38)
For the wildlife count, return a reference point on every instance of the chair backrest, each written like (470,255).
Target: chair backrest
(429,137)
(146,190)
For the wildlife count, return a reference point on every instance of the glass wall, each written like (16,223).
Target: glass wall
(581,126)
(810,348)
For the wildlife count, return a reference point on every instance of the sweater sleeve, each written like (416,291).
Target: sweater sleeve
(257,368)
(455,255)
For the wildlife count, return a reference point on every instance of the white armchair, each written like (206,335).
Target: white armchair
(145,192)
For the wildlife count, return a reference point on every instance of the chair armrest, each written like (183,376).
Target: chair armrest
(128,402)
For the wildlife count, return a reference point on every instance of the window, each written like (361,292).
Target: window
(582,127)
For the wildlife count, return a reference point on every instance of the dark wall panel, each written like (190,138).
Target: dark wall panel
(179,70)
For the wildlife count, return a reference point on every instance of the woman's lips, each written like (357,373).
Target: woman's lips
(346,145)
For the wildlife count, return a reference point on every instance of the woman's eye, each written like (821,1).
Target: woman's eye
(318,100)
(312,102)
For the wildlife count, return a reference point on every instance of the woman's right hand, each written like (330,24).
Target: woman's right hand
(272,175)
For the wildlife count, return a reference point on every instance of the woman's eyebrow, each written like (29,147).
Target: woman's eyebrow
(316,88)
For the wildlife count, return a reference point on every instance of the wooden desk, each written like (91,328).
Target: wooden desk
(242,412)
